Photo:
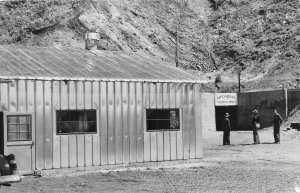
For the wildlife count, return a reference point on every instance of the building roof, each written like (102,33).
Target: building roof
(24,62)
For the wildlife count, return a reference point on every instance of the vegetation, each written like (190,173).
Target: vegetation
(259,38)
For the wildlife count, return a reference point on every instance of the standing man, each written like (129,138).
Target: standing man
(277,119)
(226,130)
(255,126)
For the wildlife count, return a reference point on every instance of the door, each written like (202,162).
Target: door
(233,112)
(19,140)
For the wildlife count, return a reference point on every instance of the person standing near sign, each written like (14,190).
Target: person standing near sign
(277,120)
(255,126)
(226,129)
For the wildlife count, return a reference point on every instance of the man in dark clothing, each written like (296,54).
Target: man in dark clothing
(255,126)
(277,120)
(226,129)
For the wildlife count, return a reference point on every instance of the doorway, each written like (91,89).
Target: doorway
(17,137)
(220,112)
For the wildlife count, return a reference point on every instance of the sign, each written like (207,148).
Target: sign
(226,99)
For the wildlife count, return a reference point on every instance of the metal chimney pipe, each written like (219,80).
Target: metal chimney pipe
(91,40)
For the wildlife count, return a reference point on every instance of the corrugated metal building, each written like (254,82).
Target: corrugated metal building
(70,108)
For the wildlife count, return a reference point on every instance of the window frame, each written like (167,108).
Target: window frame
(163,130)
(5,126)
(76,133)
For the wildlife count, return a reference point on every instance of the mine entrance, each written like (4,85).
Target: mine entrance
(220,112)
(226,103)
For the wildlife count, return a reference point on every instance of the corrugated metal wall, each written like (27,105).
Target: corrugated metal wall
(122,136)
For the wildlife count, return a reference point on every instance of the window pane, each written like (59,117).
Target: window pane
(12,136)
(158,114)
(158,124)
(25,136)
(24,128)
(24,119)
(174,124)
(12,128)
(12,119)
(76,121)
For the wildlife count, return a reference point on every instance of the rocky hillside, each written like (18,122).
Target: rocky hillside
(216,37)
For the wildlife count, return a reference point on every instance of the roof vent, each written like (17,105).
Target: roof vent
(91,41)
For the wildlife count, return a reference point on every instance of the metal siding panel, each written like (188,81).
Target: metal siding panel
(40,138)
(72,95)
(198,121)
(88,152)
(160,135)
(191,93)
(88,146)
(153,141)
(186,124)
(139,123)
(73,150)
(178,103)
(146,105)
(64,101)
(72,145)
(30,95)
(166,105)
(48,124)
(132,123)
(30,106)
(118,123)
(111,123)
(125,113)
(80,150)
(21,95)
(88,95)
(12,93)
(103,123)
(96,138)
(64,145)
(173,138)
(80,95)
(4,97)
(56,138)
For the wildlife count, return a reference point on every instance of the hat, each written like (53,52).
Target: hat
(226,115)
(255,111)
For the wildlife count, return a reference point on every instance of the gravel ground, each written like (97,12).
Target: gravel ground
(236,168)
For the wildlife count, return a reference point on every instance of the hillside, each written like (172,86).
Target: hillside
(216,37)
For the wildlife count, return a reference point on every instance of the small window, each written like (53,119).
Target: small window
(76,121)
(18,127)
(162,119)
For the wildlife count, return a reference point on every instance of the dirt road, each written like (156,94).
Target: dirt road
(241,167)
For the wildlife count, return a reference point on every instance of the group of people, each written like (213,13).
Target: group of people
(277,120)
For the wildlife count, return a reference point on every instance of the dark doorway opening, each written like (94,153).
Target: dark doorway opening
(233,112)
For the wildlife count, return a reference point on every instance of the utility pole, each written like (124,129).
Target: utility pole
(176,48)
(239,80)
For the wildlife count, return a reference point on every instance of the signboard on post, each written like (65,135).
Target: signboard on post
(226,99)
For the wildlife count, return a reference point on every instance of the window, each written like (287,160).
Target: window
(162,119)
(76,121)
(19,127)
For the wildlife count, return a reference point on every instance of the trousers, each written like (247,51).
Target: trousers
(226,138)
(256,137)
(277,134)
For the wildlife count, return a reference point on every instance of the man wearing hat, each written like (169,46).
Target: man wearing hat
(226,129)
